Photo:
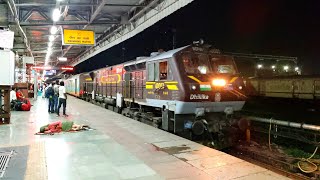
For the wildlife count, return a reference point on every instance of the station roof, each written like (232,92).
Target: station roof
(35,19)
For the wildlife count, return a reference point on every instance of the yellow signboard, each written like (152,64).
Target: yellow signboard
(78,37)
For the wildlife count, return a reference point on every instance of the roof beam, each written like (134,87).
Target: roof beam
(27,16)
(43,14)
(96,12)
(92,18)
(75,4)
(66,23)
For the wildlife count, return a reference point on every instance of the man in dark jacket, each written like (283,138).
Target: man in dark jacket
(49,95)
(56,95)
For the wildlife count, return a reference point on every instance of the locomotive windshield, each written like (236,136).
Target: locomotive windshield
(222,64)
(196,63)
(204,63)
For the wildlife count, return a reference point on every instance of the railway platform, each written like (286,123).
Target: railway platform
(117,148)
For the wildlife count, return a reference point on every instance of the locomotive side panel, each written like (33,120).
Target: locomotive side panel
(138,84)
(162,83)
(73,85)
(110,81)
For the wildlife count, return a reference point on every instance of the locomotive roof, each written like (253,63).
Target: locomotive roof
(167,54)
(163,55)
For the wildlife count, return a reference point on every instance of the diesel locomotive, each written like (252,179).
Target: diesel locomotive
(192,91)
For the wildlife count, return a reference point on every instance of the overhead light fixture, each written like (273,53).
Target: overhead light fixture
(62,59)
(56,15)
(49,51)
(50,44)
(259,66)
(53,30)
(296,68)
(51,38)
(273,67)
(286,68)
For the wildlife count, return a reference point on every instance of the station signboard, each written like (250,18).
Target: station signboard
(78,37)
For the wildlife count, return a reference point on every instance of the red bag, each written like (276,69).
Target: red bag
(25,107)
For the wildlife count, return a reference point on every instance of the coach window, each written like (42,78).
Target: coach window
(156,71)
(151,73)
(163,69)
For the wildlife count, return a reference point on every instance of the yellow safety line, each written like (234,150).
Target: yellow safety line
(234,93)
(233,79)
(149,86)
(240,93)
(195,79)
(172,87)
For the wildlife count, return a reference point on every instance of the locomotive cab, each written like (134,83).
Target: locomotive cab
(197,87)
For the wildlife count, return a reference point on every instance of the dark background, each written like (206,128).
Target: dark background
(274,27)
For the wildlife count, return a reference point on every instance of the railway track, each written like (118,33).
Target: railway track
(278,165)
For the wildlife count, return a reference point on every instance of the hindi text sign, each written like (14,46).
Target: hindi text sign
(78,37)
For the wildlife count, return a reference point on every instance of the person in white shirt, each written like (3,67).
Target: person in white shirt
(62,99)
(13,96)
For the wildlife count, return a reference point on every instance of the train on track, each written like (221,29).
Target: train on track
(296,87)
(192,91)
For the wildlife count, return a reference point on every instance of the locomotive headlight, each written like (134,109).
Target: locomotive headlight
(193,87)
(219,82)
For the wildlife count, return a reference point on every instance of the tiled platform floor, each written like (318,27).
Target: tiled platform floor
(119,148)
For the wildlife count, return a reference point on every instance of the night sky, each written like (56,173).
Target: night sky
(274,27)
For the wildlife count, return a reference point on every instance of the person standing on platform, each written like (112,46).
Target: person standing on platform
(56,95)
(49,95)
(62,99)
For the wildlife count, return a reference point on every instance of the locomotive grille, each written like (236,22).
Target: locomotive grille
(4,160)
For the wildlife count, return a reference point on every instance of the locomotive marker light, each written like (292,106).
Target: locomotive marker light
(219,82)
